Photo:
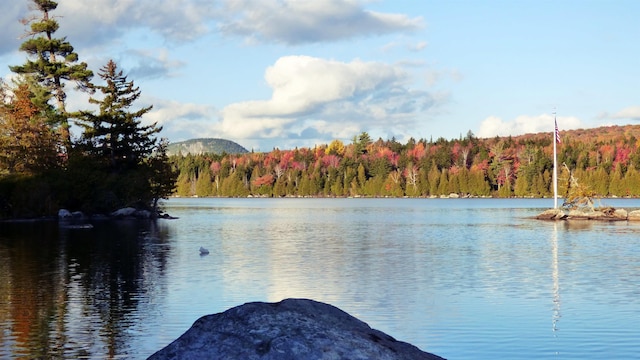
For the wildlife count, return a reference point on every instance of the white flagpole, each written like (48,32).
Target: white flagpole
(555,163)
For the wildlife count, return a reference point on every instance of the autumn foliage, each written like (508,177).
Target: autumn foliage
(605,160)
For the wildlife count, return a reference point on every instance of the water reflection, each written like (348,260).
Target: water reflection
(463,279)
(556,278)
(66,293)
(584,225)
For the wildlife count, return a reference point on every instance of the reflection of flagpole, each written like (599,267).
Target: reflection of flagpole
(556,139)
(556,278)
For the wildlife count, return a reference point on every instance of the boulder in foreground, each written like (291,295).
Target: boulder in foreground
(290,329)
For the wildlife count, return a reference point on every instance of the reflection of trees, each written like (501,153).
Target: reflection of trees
(69,293)
(25,290)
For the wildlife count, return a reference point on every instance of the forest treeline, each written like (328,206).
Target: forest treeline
(112,160)
(605,160)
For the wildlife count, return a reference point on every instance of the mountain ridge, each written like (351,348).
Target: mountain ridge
(200,146)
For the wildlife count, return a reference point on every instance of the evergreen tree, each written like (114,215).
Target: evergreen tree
(204,186)
(53,63)
(443,183)
(362,178)
(599,181)
(433,177)
(116,134)
(183,185)
(521,186)
(632,182)
(616,183)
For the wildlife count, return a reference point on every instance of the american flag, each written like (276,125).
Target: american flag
(557,133)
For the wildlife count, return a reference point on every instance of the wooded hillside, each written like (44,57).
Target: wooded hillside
(605,159)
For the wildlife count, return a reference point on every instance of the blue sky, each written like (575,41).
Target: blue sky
(287,73)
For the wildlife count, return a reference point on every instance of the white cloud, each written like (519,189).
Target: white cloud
(106,20)
(632,112)
(181,120)
(525,124)
(296,22)
(326,97)
(99,22)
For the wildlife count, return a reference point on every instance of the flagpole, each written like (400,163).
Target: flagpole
(555,162)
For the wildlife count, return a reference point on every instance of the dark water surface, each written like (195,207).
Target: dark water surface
(462,278)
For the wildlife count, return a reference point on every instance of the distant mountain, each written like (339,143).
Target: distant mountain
(205,145)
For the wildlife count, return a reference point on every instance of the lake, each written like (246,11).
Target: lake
(461,278)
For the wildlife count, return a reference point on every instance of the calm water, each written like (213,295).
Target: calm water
(462,278)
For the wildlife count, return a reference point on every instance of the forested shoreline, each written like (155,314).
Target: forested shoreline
(605,161)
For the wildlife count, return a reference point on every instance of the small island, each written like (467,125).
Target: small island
(604,214)
(579,205)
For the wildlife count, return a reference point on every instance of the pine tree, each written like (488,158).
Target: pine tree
(54,63)
(116,134)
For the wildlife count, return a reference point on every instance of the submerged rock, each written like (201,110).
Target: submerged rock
(290,329)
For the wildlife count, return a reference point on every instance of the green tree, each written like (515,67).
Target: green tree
(632,182)
(616,183)
(361,142)
(52,63)
(116,134)
(521,186)
(443,183)
(204,186)
(362,178)
(599,181)
(433,177)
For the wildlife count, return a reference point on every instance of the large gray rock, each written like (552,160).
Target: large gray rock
(290,329)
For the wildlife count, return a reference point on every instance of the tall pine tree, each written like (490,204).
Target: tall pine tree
(52,62)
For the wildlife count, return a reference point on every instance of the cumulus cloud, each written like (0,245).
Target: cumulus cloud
(632,112)
(296,22)
(98,22)
(187,119)
(328,96)
(524,124)
(107,21)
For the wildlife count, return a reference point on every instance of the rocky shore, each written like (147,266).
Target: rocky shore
(290,329)
(604,214)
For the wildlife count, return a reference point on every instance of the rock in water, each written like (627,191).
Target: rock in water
(290,329)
